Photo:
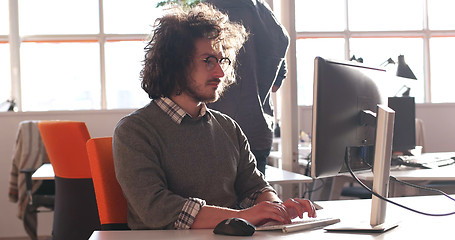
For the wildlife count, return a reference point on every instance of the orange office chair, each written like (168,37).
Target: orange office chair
(75,211)
(112,206)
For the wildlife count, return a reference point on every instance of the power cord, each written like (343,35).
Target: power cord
(393,202)
(421,187)
(309,192)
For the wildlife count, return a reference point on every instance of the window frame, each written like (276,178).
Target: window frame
(14,39)
(426,34)
(101,38)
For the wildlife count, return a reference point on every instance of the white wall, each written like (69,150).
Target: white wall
(99,123)
(438,119)
(439,124)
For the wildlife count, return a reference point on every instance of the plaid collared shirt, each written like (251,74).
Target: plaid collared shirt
(193,205)
(175,111)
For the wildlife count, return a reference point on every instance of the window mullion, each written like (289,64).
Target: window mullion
(347,35)
(426,54)
(102,41)
(15,42)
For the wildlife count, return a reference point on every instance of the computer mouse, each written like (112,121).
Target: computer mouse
(235,227)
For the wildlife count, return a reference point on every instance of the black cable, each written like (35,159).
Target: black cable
(390,201)
(416,186)
(314,189)
(421,187)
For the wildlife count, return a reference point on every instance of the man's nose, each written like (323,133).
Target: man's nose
(218,71)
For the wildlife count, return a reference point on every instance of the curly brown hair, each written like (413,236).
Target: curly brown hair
(170,52)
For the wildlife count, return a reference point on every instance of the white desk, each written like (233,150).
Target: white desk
(411,225)
(446,173)
(273,175)
(279,176)
(45,172)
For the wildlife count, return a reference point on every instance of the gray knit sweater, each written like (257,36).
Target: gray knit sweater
(160,164)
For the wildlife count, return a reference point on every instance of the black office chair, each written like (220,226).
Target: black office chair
(355,192)
(44,196)
(41,200)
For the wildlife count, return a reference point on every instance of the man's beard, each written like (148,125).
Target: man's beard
(204,98)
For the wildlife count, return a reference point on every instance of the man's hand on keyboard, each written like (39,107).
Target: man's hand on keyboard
(296,207)
(269,207)
(264,212)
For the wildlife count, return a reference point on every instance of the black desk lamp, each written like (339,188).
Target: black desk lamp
(403,70)
(353,58)
(10,105)
(387,62)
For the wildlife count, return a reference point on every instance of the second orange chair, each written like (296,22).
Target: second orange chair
(112,205)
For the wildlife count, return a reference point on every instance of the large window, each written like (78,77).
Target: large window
(83,54)
(376,30)
(86,54)
(58,76)
(5,83)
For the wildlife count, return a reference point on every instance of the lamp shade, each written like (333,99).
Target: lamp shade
(403,70)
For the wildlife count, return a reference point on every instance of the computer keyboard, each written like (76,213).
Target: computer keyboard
(298,225)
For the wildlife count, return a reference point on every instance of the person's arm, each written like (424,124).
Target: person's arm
(280,77)
(210,216)
(268,207)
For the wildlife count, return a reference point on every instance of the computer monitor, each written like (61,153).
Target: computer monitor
(404,133)
(343,93)
(352,124)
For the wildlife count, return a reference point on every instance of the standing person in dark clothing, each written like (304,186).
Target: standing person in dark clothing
(260,71)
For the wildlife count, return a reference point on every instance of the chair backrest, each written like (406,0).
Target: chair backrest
(112,206)
(65,145)
(75,210)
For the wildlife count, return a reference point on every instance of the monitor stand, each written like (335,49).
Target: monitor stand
(381,172)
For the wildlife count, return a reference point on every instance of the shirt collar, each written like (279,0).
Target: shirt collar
(175,111)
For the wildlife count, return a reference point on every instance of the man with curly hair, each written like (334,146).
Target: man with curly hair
(180,164)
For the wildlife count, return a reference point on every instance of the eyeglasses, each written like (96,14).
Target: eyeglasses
(211,61)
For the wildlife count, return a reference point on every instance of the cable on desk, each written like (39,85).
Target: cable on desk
(392,202)
(421,187)
(314,189)
(415,185)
